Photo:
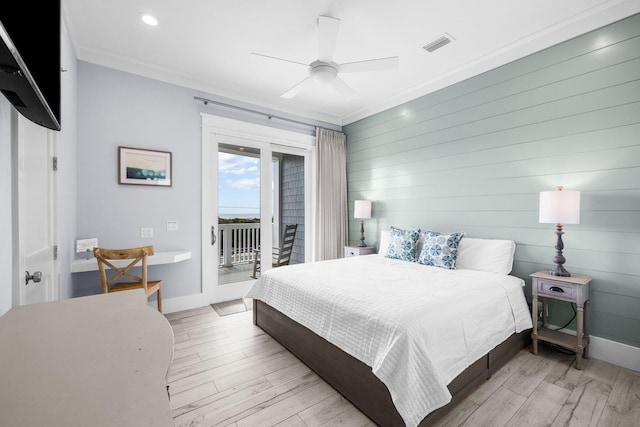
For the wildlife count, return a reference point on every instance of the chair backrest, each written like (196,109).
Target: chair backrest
(136,255)
(286,245)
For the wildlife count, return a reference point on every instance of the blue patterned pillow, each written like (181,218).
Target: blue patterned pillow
(440,250)
(403,244)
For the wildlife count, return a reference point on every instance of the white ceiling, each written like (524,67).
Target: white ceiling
(207,44)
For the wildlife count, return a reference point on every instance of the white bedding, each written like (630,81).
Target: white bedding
(416,326)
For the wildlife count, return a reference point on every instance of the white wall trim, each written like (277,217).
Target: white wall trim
(187,302)
(252,131)
(617,353)
(609,351)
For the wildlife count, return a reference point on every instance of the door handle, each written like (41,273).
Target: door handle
(36,277)
(213,235)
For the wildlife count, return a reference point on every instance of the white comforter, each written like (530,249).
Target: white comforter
(416,326)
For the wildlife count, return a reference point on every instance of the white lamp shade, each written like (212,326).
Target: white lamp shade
(560,207)
(362,209)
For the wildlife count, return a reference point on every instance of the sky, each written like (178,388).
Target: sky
(238,185)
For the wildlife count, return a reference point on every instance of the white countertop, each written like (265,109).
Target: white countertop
(97,361)
(170,257)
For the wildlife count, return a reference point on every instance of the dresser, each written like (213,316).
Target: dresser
(574,289)
(96,361)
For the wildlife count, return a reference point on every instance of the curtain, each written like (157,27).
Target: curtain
(331,195)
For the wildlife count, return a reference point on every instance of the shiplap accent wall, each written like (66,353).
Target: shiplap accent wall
(474,157)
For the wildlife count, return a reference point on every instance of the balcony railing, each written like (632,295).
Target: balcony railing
(237,242)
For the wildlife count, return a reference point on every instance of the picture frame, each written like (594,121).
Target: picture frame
(138,166)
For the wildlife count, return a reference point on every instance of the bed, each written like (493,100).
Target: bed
(403,341)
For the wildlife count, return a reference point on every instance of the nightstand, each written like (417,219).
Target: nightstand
(358,250)
(574,289)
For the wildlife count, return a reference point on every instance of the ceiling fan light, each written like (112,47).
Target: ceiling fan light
(323,73)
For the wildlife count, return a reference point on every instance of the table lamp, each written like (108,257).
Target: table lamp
(559,207)
(362,210)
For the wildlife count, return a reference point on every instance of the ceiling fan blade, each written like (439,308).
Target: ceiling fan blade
(279,59)
(299,87)
(327,37)
(370,65)
(342,87)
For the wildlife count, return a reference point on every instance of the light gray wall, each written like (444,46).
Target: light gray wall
(474,157)
(121,109)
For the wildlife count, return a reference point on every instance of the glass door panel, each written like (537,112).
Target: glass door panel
(288,201)
(238,213)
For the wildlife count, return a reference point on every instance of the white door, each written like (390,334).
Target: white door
(37,279)
(240,209)
(222,279)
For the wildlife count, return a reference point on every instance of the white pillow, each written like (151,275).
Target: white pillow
(385,239)
(491,255)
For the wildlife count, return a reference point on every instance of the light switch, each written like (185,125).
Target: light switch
(146,232)
(172,225)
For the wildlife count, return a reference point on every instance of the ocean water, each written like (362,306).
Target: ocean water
(238,215)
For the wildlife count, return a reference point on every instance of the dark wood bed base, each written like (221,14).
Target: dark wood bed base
(355,381)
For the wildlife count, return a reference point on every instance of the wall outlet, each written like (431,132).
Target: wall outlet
(146,232)
(86,245)
(172,225)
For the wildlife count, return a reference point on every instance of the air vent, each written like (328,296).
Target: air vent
(443,40)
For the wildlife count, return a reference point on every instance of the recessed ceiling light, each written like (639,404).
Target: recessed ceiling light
(149,19)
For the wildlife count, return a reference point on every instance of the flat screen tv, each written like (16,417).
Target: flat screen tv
(30,60)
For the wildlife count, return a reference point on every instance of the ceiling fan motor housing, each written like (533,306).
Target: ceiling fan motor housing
(323,72)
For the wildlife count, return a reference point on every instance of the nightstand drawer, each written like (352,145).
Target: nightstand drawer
(350,251)
(556,289)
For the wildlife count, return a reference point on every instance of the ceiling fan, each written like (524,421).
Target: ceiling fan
(324,70)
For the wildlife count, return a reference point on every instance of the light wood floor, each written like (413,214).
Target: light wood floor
(228,372)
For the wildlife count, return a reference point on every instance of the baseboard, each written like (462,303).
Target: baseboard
(222,293)
(187,302)
(617,353)
(613,352)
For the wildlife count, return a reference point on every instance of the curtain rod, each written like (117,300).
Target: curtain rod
(206,101)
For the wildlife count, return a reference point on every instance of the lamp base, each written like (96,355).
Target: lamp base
(559,259)
(559,271)
(362,243)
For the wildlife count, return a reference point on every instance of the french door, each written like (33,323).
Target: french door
(255,181)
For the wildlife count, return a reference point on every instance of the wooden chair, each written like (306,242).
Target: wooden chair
(279,255)
(136,255)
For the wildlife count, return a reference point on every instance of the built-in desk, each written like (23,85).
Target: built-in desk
(100,360)
(80,265)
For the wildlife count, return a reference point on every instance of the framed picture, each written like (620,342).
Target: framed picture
(144,167)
